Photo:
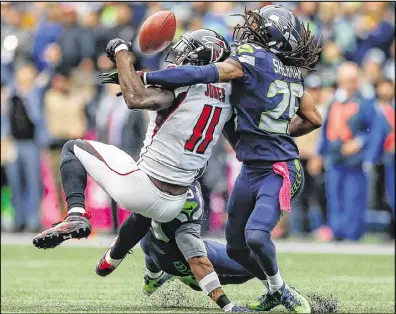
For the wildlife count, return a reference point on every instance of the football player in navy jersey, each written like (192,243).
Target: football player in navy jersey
(272,48)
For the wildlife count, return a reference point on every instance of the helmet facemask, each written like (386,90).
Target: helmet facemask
(183,52)
(298,48)
(252,30)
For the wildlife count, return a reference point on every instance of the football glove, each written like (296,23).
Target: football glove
(112,77)
(113,44)
(109,78)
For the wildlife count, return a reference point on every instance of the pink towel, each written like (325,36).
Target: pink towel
(281,169)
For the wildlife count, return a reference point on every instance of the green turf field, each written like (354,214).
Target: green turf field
(64,280)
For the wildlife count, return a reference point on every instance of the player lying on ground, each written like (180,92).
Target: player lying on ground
(267,92)
(175,248)
(179,141)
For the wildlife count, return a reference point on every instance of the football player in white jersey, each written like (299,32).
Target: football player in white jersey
(185,126)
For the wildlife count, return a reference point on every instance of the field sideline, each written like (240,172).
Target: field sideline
(63,280)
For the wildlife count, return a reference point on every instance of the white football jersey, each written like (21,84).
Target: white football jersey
(180,139)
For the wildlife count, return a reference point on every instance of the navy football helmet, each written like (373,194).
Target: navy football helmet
(279,31)
(273,27)
(199,47)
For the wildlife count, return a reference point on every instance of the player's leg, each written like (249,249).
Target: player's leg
(117,173)
(275,192)
(334,196)
(229,271)
(131,231)
(355,204)
(155,277)
(240,205)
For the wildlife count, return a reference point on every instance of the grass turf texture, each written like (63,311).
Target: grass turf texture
(64,280)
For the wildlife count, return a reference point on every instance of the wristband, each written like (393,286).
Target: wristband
(209,283)
(121,47)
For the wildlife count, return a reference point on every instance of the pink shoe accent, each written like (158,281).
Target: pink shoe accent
(281,169)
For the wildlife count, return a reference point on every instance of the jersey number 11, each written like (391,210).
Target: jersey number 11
(196,137)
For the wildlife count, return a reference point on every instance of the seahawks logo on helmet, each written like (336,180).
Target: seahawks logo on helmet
(286,28)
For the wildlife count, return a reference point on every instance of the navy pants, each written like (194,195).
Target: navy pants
(167,257)
(346,191)
(253,212)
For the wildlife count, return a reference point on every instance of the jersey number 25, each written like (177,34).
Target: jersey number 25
(202,122)
(271,121)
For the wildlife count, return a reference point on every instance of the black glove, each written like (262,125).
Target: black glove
(113,44)
(109,78)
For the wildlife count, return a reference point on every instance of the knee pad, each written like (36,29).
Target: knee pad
(256,239)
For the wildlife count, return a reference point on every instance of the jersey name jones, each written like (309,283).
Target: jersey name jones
(215,92)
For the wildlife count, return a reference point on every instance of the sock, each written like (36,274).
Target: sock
(132,230)
(275,282)
(265,282)
(112,261)
(224,303)
(153,275)
(76,210)
(73,176)
(228,307)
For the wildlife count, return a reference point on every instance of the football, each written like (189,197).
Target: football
(157,32)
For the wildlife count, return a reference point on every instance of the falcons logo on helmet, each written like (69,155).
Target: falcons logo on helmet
(217,46)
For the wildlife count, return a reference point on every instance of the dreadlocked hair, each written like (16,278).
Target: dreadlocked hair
(246,32)
(306,53)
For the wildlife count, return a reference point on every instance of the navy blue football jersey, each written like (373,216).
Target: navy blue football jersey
(265,100)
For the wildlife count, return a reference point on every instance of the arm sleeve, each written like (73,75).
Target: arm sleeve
(189,241)
(183,76)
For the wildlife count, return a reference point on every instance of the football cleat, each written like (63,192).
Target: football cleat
(104,268)
(191,282)
(292,300)
(264,303)
(151,285)
(74,226)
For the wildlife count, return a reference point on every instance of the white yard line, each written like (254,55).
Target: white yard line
(104,240)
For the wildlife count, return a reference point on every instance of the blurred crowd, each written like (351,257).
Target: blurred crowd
(51,54)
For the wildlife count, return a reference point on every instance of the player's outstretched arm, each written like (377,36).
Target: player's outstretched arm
(308,117)
(135,94)
(187,75)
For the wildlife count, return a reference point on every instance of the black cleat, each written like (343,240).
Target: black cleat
(74,226)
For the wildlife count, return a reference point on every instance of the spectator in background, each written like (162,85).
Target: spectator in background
(313,193)
(121,127)
(373,30)
(372,72)
(65,118)
(381,146)
(76,43)
(27,132)
(344,137)
(47,32)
